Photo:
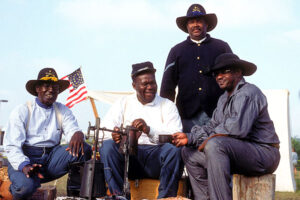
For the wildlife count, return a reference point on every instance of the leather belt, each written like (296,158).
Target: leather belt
(45,150)
(276,145)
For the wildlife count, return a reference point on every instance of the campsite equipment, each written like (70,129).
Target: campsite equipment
(93,183)
(165,138)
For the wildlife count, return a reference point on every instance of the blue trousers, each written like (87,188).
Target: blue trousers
(161,162)
(54,165)
(210,171)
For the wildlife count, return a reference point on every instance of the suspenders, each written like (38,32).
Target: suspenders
(57,114)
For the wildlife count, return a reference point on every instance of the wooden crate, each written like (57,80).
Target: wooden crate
(253,188)
(148,188)
(45,192)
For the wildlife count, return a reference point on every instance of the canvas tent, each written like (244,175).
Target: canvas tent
(279,112)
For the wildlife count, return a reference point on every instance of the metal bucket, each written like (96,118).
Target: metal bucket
(98,189)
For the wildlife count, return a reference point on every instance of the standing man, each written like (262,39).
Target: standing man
(152,115)
(32,139)
(240,137)
(187,64)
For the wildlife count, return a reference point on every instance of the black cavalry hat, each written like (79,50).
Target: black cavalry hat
(46,74)
(232,60)
(142,67)
(195,11)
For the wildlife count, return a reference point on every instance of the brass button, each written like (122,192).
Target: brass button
(200,71)
(198,44)
(200,89)
(198,58)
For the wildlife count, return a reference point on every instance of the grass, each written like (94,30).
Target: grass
(290,195)
(61,189)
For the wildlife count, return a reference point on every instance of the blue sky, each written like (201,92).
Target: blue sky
(106,37)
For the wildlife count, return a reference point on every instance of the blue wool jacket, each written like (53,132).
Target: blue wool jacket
(186,67)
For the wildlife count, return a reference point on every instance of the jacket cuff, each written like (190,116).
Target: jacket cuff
(190,139)
(22,165)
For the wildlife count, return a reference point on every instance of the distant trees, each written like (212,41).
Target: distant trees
(296,146)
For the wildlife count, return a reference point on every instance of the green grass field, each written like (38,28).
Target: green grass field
(61,189)
(290,195)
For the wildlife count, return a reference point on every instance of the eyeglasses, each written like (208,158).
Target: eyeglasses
(221,71)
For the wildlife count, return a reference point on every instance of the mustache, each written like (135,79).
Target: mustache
(196,28)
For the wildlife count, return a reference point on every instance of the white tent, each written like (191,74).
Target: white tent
(279,112)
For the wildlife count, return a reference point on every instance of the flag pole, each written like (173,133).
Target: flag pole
(94,107)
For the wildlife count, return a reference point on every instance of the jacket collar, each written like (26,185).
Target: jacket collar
(240,84)
(188,39)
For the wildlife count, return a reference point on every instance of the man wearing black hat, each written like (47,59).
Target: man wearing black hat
(152,115)
(240,138)
(187,65)
(32,139)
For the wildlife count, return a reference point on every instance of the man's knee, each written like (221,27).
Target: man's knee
(23,188)
(172,150)
(214,144)
(185,151)
(108,147)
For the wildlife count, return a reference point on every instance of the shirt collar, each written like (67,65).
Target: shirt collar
(41,104)
(204,40)
(152,103)
(198,41)
(240,84)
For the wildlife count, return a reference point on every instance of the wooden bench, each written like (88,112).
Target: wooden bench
(257,187)
(148,188)
(244,188)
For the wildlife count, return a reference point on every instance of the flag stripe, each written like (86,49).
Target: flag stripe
(81,95)
(76,93)
(73,103)
(77,88)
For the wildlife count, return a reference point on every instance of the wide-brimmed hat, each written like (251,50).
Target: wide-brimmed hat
(232,60)
(46,74)
(141,68)
(195,11)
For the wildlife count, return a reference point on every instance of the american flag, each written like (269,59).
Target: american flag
(77,88)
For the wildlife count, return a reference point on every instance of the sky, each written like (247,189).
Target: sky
(105,37)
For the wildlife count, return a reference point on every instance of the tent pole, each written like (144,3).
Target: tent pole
(94,107)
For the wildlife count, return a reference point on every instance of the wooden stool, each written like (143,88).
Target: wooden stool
(45,192)
(257,187)
(148,188)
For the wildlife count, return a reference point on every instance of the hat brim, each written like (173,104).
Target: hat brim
(247,68)
(30,86)
(143,72)
(210,19)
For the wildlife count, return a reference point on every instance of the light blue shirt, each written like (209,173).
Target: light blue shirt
(43,130)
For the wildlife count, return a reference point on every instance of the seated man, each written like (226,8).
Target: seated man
(240,138)
(33,136)
(152,115)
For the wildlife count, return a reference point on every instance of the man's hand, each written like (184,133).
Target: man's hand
(141,125)
(32,170)
(116,136)
(179,139)
(75,144)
